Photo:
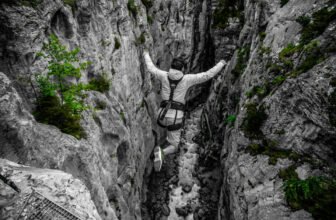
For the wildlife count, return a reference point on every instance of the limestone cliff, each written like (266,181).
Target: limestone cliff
(272,102)
(111,159)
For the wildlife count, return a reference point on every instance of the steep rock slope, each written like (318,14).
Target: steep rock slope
(111,160)
(272,107)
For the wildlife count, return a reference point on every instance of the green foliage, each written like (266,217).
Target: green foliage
(132,8)
(288,51)
(303,20)
(141,39)
(101,105)
(313,55)
(332,107)
(122,116)
(320,21)
(63,67)
(275,68)
(31,3)
(230,120)
(225,10)
(278,80)
(254,119)
(288,173)
(101,83)
(243,57)
(50,111)
(262,35)
(150,19)
(117,43)
(71,3)
(269,148)
(283,2)
(265,50)
(260,90)
(316,195)
(147,3)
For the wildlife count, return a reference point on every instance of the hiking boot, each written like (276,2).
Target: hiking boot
(158,158)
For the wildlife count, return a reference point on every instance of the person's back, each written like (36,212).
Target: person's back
(174,87)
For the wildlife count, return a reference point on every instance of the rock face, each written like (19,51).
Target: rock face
(296,108)
(66,191)
(112,158)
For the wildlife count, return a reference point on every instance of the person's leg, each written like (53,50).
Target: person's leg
(173,137)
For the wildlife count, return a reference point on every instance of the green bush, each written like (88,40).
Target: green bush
(60,101)
(147,3)
(269,148)
(288,173)
(101,83)
(117,43)
(262,35)
(132,8)
(150,19)
(71,3)
(303,20)
(260,90)
(316,195)
(320,21)
(101,105)
(283,2)
(141,39)
(254,119)
(243,57)
(225,10)
(49,110)
(230,120)
(278,80)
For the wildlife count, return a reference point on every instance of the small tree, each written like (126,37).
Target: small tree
(60,102)
(63,66)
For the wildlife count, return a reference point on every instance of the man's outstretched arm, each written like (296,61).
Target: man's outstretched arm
(205,76)
(152,68)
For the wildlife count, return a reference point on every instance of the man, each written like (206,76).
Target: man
(174,86)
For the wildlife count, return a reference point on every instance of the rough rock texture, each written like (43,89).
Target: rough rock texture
(66,191)
(297,112)
(111,160)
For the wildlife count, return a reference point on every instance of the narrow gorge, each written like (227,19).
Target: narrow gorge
(259,140)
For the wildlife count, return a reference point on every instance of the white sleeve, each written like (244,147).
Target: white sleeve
(159,74)
(205,76)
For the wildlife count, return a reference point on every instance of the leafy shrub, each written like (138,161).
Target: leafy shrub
(303,20)
(117,43)
(260,90)
(150,19)
(262,35)
(283,2)
(49,110)
(278,80)
(269,148)
(225,10)
(147,3)
(316,195)
(255,118)
(243,57)
(288,173)
(101,105)
(60,102)
(71,3)
(320,21)
(132,8)
(230,120)
(141,39)
(100,83)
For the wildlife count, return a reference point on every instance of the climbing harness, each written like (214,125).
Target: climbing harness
(171,104)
